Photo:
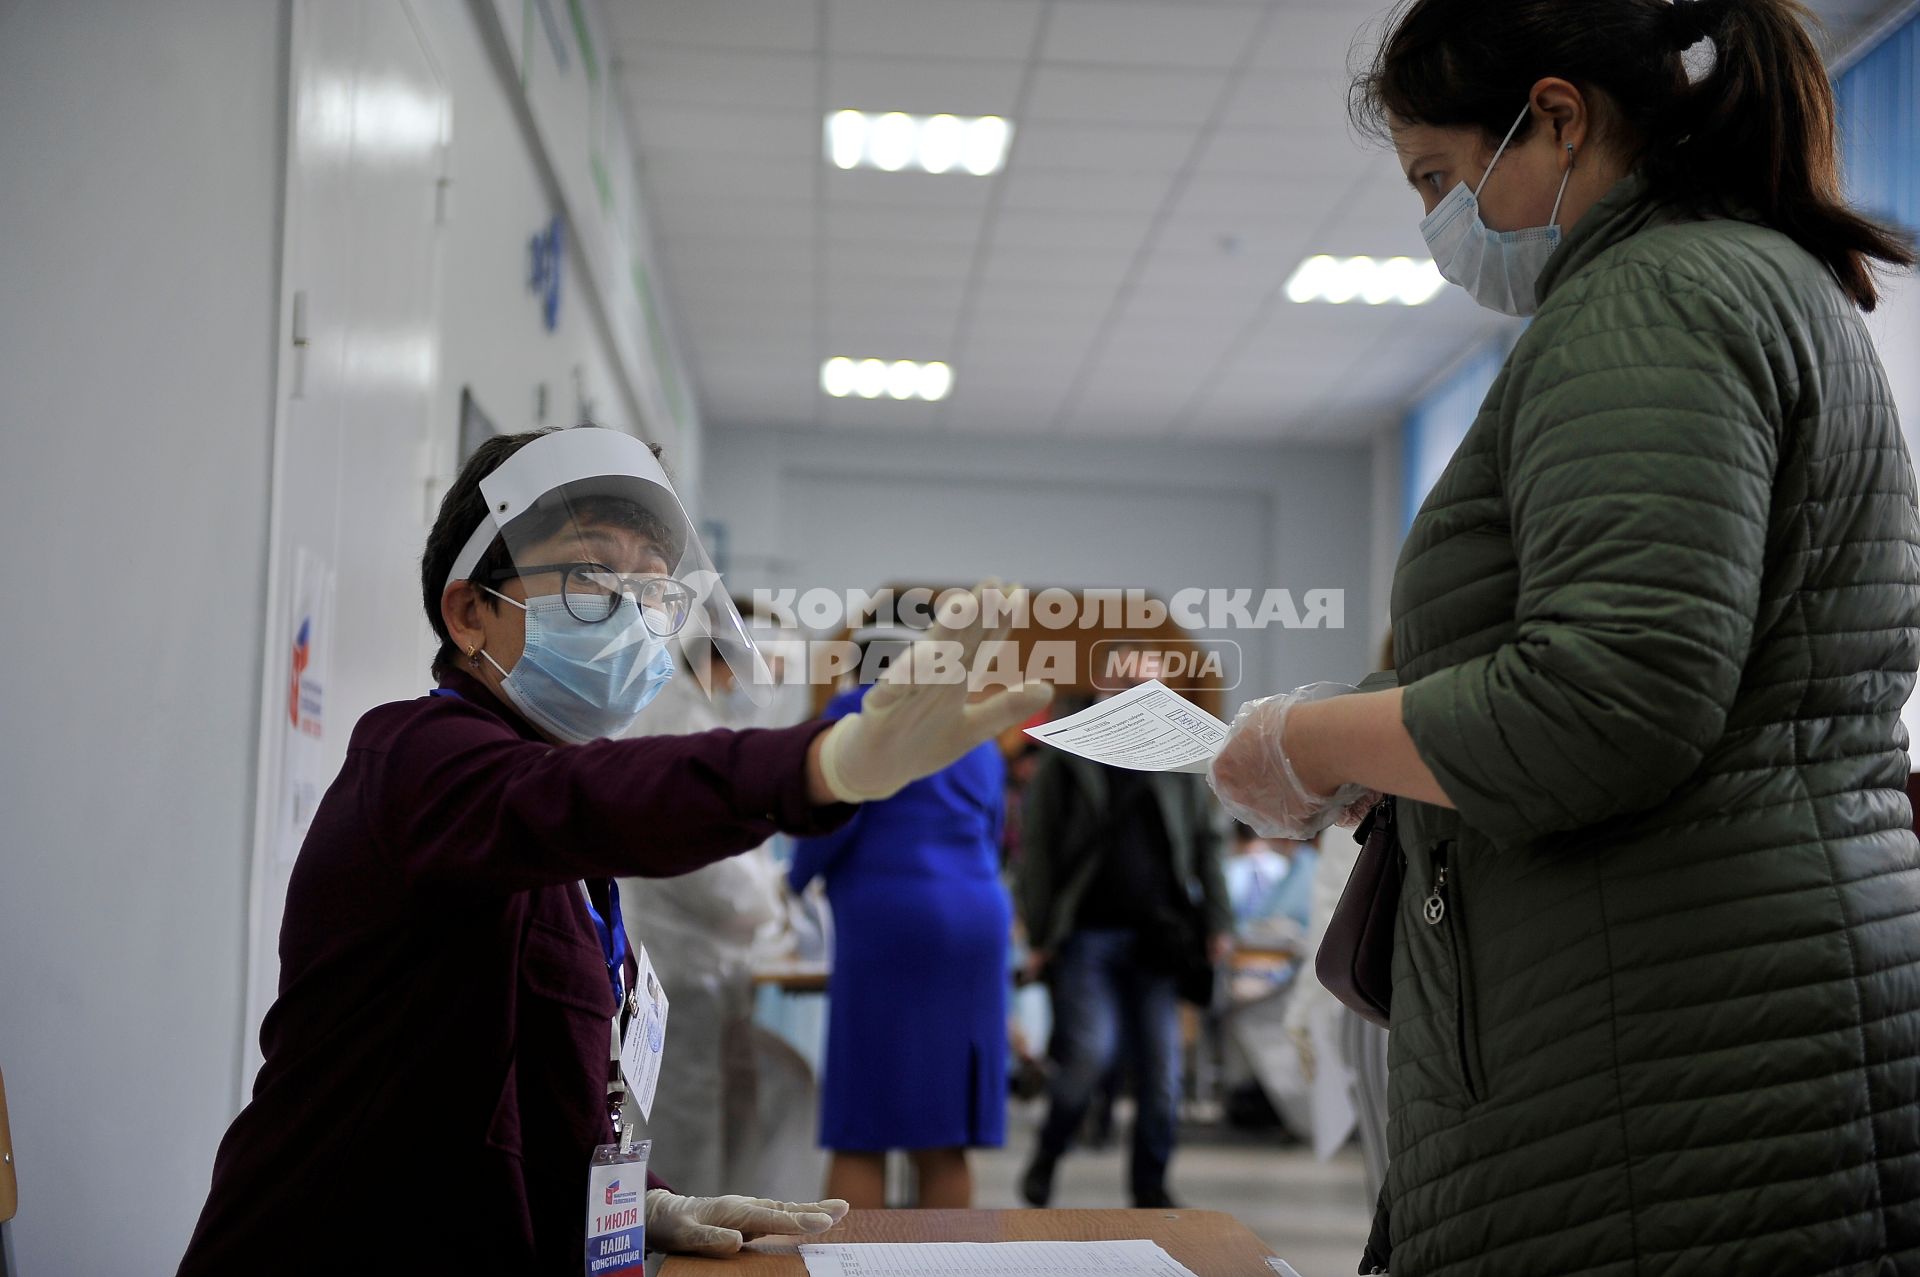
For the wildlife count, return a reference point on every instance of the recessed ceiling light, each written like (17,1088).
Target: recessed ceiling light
(897,379)
(931,144)
(1365,279)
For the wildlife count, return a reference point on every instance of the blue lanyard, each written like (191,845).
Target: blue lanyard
(613,939)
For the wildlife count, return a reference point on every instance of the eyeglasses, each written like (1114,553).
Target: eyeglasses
(593,591)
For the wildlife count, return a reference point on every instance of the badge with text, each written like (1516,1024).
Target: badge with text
(617,1207)
(646,1036)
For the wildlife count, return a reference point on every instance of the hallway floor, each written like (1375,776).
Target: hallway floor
(1314,1216)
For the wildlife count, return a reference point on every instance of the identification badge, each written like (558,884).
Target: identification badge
(646,1038)
(617,1207)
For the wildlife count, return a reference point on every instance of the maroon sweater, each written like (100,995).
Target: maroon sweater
(436,1060)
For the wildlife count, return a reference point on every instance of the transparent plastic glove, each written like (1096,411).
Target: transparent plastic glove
(1255,780)
(721,1225)
(920,717)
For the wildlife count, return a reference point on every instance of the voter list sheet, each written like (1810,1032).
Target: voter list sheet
(993,1259)
(1149,728)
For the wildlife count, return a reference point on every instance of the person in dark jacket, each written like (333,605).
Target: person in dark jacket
(1656,990)
(453,970)
(1119,874)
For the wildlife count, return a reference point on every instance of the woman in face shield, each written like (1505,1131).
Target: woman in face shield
(440,1063)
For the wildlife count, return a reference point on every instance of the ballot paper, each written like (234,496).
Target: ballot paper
(1149,728)
(993,1259)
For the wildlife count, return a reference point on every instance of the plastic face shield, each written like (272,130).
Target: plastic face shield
(597,497)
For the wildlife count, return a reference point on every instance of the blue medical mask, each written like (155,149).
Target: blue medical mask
(1499,269)
(581,682)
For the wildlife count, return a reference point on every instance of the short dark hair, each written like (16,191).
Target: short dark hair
(1756,132)
(462,510)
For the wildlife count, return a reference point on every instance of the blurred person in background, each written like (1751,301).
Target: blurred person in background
(1270,882)
(702,931)
(1126,911)
(1655,1005)
(917,999)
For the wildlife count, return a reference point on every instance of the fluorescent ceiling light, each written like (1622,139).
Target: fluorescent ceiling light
(894,141)
(896,379)
(1372,281)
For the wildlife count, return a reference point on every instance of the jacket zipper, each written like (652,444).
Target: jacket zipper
(1435,911)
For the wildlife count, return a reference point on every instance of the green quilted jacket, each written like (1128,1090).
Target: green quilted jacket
(1656,999)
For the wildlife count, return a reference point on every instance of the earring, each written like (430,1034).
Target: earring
(473,656)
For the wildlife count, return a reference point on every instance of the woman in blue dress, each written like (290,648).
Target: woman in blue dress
(917,1018)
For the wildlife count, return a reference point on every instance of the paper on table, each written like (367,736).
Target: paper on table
(1149,728)
(1006,1259)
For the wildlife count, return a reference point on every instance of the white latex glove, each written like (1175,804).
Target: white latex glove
(919,717)
(721,1225)
(1255,781)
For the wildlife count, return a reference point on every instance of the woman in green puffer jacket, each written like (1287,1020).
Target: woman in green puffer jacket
(1656,999)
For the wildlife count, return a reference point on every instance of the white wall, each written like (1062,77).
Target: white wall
(492,336)
(141,145)
(1386,531)
(804,508)
(143,150)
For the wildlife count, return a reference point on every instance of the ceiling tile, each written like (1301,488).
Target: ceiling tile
(659,127)
(1114,423)
(881,292)
(1314,103)
(924,86)
(784,223)
(722,179)
(1048,354)
(1271,153)
(1049,145)
(700,77)
(1120,278)
(739,326)
(1030,341)
(1056,228)
(1015,265)
(1131,33)
(1208,320)
(906,417)
(929,28)
(920,334)
(956,194)
(725,295)
(894,259)
(719,259)
(1001,411)
(730,24)
(1315,37)
(858,223)
(1090,192)
(1113,95)
(1170,277)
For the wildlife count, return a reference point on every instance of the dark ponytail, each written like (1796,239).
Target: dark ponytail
(1754,135)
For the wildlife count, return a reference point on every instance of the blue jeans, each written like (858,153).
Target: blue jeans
(1105,996)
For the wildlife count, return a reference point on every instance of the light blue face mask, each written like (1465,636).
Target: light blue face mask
(580,682)
(1499,269)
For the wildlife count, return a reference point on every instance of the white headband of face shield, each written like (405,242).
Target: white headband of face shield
(550,462)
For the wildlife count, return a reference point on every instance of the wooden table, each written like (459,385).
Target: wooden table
(792,977)
(1208,1242)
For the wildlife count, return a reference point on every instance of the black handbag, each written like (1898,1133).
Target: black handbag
(1178,941)
(1355,961)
